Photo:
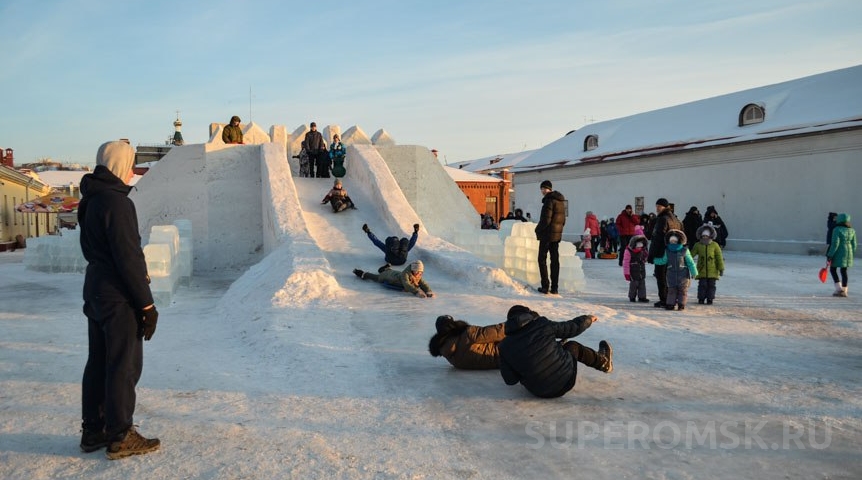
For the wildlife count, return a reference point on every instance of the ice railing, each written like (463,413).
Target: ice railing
(168,255)
(169,259)
(515,249)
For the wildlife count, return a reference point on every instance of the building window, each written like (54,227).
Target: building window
(591,142)
(751,114)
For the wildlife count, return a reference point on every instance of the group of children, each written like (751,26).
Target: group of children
(325,161)
(709,265)
(681,266)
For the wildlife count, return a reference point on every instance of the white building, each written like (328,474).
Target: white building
(773,160)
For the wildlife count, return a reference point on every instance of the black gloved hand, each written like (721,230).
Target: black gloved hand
(147,323)
(416,227)
(365,227)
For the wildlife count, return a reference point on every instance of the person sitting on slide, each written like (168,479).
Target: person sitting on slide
(410,279)
(338,198)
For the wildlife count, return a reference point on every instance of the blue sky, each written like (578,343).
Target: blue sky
(469,78)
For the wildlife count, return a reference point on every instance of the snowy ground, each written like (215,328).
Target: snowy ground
(763,384)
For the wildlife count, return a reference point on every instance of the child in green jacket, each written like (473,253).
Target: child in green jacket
(710,263)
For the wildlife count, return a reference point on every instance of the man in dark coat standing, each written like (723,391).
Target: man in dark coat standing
(315,149)
(692,221)
(118,304)
(626,223)
(549,232)
(532,355)
(665,221)
(713,218)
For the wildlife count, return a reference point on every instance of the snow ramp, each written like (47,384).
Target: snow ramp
(249,212)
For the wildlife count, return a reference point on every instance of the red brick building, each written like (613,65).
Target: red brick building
(488,194)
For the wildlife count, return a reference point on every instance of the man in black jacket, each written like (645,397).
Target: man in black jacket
(546,367)
(549,232)
(316,149)
(118,304)
(665,221)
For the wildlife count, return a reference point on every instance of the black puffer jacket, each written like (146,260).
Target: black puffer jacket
(553,218)
(531,354)
(116,269)
(690,224)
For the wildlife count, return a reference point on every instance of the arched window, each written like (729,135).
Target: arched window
(591,142)
(751,114)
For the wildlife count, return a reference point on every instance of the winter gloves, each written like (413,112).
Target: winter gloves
(416,228)
(628,277)
(365,228)
(359,273)
(147,323)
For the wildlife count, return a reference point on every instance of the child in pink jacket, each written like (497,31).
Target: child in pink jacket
(634,265)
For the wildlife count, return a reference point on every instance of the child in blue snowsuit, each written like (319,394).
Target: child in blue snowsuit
(680,268)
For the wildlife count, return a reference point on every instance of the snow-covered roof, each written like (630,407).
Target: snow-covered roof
(819,102)
(62,178)
(496,162)
(460,175)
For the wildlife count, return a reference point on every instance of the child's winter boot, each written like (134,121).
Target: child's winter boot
(839,290)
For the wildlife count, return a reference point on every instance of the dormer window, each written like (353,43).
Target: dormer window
(751,114)
(591,142)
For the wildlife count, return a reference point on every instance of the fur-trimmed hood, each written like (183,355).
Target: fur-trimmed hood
(638,238)
(706,226)
(679,233)
(447,327)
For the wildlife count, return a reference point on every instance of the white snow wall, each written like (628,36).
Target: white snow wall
(443,207)
(216,187)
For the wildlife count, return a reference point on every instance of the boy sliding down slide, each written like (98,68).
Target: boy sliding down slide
(409,279)
(394,249)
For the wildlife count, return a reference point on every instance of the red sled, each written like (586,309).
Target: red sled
(823,272)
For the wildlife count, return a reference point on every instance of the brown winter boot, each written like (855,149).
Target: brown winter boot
(605,360)
(131,443)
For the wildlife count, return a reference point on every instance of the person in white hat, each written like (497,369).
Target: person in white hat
(118,304)
(410,279)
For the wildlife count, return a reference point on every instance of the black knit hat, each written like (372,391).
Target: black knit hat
(663,202)
(546,184)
